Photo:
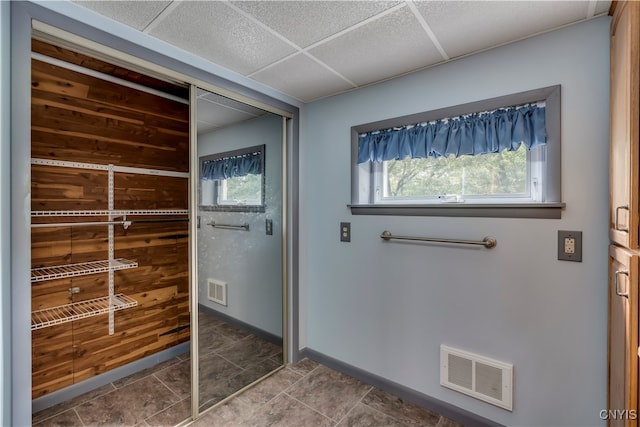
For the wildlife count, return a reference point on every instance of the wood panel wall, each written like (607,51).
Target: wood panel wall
(80,118)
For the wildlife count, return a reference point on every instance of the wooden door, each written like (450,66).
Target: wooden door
(625,118)
(623,337)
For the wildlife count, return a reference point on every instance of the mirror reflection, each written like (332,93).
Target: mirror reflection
(233,180)
(239,254)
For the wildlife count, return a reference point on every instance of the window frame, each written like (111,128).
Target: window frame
(362,177)
(231,207)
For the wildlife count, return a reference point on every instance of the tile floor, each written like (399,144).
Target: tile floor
(304,394)
(310,394)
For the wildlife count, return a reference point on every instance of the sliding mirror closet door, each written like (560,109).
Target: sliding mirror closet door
(239,249)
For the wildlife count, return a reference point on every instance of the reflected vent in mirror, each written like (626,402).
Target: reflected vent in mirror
(217,291)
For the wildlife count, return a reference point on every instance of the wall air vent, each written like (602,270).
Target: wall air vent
(477,376)
(217,291)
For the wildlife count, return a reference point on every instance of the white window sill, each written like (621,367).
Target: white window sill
(551,210)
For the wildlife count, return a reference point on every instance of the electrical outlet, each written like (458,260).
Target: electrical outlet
(570,245)
(345,231)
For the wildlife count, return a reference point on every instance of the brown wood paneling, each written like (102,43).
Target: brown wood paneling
(134,191)
(52,358)
(51,78)
(51,293)
(50,246)
(89,243)
(109,69)
(79,118)
(57,188)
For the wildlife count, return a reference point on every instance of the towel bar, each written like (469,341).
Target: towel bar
(488,242)
(244,226)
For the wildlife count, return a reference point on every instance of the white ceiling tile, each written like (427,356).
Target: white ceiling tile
(392,45)
(307,22)
(216,32)
(204,127)
(303,78)
(136,14)
(218,115)
(464,27)
(216,111)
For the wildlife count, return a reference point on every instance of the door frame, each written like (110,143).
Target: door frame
(25,17)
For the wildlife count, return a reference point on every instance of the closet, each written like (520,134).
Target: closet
(624,214)
(109,214)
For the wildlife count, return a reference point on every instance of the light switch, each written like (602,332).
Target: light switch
(345,231)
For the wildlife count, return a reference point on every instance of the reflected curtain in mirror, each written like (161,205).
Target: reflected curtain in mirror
(233,180)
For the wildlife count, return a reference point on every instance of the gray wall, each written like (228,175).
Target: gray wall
(249,262)
(5,139)
(386,308)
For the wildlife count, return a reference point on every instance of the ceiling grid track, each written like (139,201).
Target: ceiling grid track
(160,17)
(428,30)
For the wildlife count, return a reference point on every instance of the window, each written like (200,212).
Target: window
(498,157)
(242,190)
(233,180)
(508,176)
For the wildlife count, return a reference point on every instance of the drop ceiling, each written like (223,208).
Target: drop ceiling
(314,49)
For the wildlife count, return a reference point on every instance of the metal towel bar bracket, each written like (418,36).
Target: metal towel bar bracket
(488,242)
(244,226)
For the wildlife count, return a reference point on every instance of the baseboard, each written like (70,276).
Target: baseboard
(93,383)
(268,336)
(454,413)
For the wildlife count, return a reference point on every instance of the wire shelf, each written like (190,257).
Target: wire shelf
(79,310)
(116,213)
(80,269)
(102,167)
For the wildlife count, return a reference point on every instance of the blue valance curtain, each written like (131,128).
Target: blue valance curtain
(233,166)
(480,133)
